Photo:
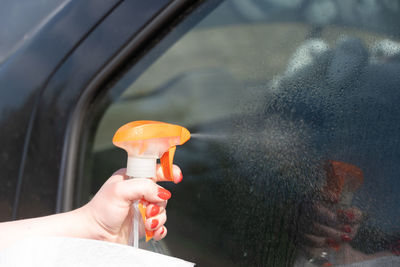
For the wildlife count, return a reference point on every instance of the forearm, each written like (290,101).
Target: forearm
(69,224)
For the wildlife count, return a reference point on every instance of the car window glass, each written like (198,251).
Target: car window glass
(19,18)
(296,152)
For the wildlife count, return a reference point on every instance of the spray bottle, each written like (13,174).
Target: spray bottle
(145,142)
(342,180)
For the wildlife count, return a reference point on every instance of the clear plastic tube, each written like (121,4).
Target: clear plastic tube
(134,235)
(137,168)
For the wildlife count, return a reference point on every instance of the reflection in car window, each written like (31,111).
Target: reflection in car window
(297,153)
(19,18)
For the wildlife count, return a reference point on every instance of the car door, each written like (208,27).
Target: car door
(293,106)
(37,44)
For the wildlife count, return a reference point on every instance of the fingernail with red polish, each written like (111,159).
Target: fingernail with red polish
(179,178)
(346,215)
(350,215)
(345,238)
(154,223)
(347,229)
(163,193)
(162,231)
(154,210)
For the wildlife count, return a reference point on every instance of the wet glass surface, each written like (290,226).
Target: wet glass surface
(295,160)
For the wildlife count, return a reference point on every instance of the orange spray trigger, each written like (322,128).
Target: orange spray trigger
(167,162)
(145,142)
(343,179)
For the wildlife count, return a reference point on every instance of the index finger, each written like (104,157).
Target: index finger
(160,177)
(325,215)
(140,188)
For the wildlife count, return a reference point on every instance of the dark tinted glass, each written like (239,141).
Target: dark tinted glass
(296,152)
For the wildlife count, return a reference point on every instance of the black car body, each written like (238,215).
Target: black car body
(57,83)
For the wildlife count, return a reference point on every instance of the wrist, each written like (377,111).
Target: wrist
(80,224)
(95,229)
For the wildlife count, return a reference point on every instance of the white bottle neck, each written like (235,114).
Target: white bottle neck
(141,167)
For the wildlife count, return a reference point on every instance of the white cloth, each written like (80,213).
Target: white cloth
(387,261)
(60,252)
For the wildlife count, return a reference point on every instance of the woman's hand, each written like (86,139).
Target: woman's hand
(110,214)
(106,217)
(332,228)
